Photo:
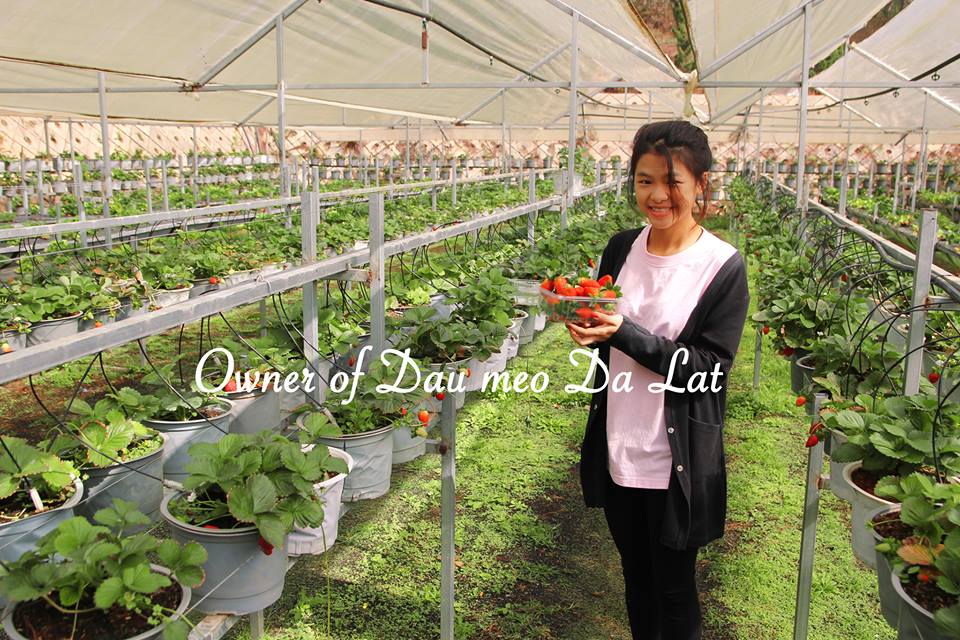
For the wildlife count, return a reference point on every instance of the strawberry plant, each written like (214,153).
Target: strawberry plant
(24,466)
(260,479)
(83,572)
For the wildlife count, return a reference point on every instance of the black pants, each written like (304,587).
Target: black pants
(661,583)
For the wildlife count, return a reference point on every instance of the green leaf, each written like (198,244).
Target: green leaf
(263,492)
(108,592)
(169,553)
(193,553)
(176,630)
(143,580)
(916,511)
(272,529)
(947,620)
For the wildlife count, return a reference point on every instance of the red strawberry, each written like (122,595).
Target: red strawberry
(816,426)
(468,372)
(97,324)
(608,293)
(230,387)
(587,282)
(265,546)
(591,292)
(788,351)
(210,526)
(844,277)
(923,576)
(547,284)
(352,361)
(578,291)
(403,411)
(933,376)
(213,280)
(559,282)
(812,440)
(6,348)
(423,416)
(766,330)
(801,400)
(605,280)
(590,262)
(584,313)
(440,396)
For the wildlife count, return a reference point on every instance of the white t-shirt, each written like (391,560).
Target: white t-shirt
(659,293)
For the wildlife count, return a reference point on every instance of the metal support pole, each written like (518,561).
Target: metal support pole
(619,178)
(433,190)
(856,181)
(896,178)
(808,538)
(165,184)
(921,288)
(425,48)
(804,89)
(376,171)
(180,181)
(406,149)
(919,178)
(596,182)
(532,216)
(41,204)
(308,233)
(106,174)
(390,178)
(760,160)
(377,280)
(147,170)
(572,125)
(448,508)
(503,132)
(282,119)
(196,169)
(46,135)
(78,196)
(453,183)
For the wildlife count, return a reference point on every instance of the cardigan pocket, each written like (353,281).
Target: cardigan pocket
(706,450)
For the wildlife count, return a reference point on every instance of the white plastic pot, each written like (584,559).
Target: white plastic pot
(314,540)
(862,504)
(372,453)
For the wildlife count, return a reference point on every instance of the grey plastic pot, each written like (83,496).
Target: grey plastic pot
(528,327)
(314,540)
(123,481)
(156,632)
(407,446)
(201,286)
(49,330)
(914,619)
(20,536)
(477,371)
(103,316)
(839,483)
(254,410)
(182,434)
(372,454)
(240,277)
(167,297)
(540,322)
(796,375)
(862,503)
(438,302)
(258,581)
(14,338)
(890,602)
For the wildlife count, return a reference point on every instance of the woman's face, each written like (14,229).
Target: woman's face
(662,206)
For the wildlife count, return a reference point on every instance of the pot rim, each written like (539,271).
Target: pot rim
(230,408)
(848,476)
(192,528)
(61,319)
(914,605)
(70,502)
(337,453)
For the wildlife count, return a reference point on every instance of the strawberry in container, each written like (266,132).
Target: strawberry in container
(577,301)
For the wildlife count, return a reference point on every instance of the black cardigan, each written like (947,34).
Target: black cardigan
(697,495)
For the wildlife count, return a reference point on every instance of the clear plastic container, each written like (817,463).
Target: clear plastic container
(575,309)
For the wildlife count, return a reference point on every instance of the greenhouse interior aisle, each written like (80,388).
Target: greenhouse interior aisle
(533,562)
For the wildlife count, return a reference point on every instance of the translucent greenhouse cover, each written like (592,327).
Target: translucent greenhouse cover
(176,42)
(919,38)
(718,28)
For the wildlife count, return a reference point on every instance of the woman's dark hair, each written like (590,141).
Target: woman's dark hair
(673,140)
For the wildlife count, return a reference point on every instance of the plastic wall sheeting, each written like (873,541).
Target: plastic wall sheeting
(719,27)
(336,41)
(907,46)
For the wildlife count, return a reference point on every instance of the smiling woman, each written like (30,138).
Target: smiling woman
(652,456)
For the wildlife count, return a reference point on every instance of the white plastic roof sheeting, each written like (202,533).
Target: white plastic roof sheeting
(336,41)
(717,28)
(917,39)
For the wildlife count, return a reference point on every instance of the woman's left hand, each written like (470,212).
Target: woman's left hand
(606,325)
